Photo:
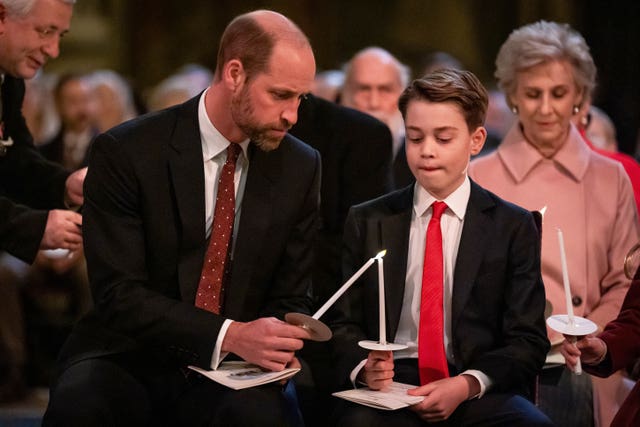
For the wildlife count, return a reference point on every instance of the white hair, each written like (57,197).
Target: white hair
(538,43)
(21,8)
(403,71)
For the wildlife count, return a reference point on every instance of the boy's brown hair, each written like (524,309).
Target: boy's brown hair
(457,86)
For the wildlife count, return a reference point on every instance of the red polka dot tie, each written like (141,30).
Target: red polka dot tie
(216,262)
(432,361)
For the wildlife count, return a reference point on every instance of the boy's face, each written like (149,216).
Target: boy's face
(439,145)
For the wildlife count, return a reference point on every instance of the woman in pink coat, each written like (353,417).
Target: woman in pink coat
(546,72)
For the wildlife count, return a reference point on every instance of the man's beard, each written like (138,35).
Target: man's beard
(244,116)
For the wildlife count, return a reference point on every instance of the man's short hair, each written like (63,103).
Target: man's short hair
(247,41)
(250,42)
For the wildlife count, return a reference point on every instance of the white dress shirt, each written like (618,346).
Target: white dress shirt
(214,154)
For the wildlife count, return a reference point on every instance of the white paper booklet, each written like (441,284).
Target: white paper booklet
(238,374)
(395,397)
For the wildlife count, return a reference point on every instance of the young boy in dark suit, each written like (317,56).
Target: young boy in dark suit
(462,273)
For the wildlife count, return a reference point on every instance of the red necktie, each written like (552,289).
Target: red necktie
(432,361)
(216,262)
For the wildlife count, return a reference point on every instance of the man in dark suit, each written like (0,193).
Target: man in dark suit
(617,347)
(485,320)
(356,152)
(149,207)
(373,81)
(34,193)
(30,184)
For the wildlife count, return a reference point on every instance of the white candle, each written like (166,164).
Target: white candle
(383,326)
(346,286)
(565,278)
(578,368)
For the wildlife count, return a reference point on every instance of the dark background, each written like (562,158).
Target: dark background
(146,40)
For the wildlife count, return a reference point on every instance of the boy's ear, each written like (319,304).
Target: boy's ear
(478,137)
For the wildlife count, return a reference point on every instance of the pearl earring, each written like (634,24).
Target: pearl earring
(514,109)
(576,109)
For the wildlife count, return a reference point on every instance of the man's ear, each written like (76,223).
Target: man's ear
(478,137)
(233,74)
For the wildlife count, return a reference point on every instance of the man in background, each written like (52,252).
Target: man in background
(35,192)
(374,80)
(28,38)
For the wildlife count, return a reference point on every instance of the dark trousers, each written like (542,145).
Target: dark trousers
(122,391)
(565,397)
(493,409)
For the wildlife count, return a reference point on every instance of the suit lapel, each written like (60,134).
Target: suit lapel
(478,228)
(394,231)
(187,176)
(255,218)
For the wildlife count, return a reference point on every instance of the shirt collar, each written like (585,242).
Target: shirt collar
(457,201)
(520,157)
(213,142)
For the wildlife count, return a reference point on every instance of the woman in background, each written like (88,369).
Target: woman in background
(546,72)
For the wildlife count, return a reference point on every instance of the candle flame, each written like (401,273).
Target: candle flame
(543,210)
(381,254)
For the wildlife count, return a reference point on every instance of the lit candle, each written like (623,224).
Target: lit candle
(565,278)
(383,326)
(346,286)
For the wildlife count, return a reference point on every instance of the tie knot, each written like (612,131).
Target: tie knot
(438,209)
(233,151)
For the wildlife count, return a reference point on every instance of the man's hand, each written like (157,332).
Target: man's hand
(442,397)
(73,191)
(63,231)
(266,342)
(378,371)
(589,349)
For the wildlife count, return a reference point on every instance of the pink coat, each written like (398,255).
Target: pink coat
(587,196)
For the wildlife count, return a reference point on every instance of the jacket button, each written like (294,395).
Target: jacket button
(576,301)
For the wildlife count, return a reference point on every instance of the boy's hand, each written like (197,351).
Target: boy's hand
(442,397)
(378,371)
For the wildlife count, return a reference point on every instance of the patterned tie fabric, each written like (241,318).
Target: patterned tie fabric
(216,263)
(432,361)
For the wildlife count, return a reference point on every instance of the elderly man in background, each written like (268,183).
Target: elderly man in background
(374,80)
(34,191)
